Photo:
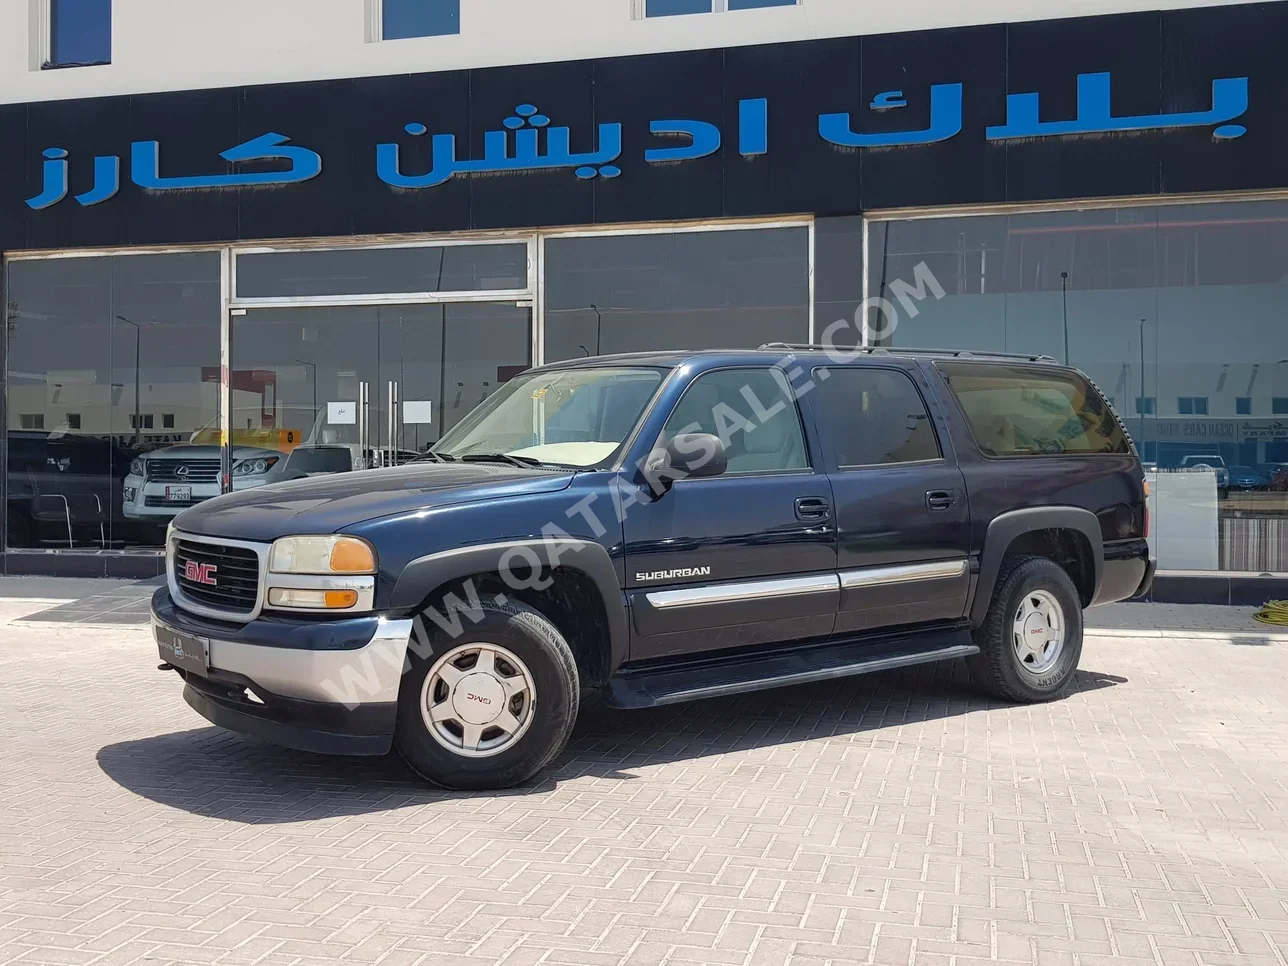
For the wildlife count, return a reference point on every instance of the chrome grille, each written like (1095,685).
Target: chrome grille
(183,471)
(233,570)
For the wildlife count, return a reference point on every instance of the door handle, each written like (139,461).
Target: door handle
(939,499)
(812,508)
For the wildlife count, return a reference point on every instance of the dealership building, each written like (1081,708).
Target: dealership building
(273,237)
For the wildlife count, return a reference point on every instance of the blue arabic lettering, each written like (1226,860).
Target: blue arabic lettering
(54,178)
(107,181)
(526,124)
(145,165)
(753,126)
(704,140)
(945,122)
(1229,100)
(888,99)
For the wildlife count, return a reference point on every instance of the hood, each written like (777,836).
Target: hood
(326,504)
(186,451)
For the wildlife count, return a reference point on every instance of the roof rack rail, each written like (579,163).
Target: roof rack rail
(894,351)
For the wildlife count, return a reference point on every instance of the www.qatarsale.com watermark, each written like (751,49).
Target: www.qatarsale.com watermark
(529,568)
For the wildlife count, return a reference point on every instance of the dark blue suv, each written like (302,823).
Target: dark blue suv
(662,527)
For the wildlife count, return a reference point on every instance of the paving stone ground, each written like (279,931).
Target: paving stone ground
(900,819)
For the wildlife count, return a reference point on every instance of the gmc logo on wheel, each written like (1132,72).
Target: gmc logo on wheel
(200,573)
(477,697)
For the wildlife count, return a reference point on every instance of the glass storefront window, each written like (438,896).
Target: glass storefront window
(676,290)
(108,360)
(1175,311)
(382,271)
(325,389)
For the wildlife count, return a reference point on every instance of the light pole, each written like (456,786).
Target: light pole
(1064,304)
(313,378)
(1141,404)
(599,325)
(138,419)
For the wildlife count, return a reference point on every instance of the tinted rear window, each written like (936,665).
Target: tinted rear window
(1017,411)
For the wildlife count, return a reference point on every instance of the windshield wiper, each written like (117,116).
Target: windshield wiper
(429,456)
(524,461)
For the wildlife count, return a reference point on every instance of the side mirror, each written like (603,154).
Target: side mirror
(688,456)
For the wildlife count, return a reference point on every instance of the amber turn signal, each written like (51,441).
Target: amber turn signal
(352,556)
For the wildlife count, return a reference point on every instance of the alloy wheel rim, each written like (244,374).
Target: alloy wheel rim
(478,700)
(1038,631)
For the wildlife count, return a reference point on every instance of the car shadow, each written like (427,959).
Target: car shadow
(214,773)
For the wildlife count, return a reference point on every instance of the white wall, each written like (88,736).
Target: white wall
(162,45)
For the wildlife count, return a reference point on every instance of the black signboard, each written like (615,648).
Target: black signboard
(1139,104)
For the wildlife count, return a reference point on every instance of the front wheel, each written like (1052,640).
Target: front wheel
(1031,638)
(490,707)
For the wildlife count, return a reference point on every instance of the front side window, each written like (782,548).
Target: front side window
(752,412)
(874,417)
(80,33)
(573,417)
(1015,411)
(401,19)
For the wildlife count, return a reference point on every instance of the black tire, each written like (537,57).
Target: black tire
(997,667)
(538,644)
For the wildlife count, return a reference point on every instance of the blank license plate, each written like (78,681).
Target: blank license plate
(181,650)
(178,494)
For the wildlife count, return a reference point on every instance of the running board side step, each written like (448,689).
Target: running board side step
(652,686)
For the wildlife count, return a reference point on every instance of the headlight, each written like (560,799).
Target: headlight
(332,554)
(255,467)
(136,467)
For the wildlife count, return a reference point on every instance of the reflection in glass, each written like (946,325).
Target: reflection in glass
(671,8)
(109,360)
(676,290)
(380,271)
(80,32)
(1176,312)
(401,19)
(332,389)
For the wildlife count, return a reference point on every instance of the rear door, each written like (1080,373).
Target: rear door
(901,508)
(748,557)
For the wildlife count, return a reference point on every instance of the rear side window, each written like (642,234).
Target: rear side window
(874,417)
(1016,411)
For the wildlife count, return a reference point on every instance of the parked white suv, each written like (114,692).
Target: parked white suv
(165,481)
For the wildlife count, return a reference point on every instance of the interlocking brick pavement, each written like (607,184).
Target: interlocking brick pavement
(895,819)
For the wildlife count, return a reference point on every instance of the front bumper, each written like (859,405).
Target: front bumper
(323,686)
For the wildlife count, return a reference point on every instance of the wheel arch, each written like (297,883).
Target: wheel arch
(1043,531)
(576,586)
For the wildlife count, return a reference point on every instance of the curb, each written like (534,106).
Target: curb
(1243,637)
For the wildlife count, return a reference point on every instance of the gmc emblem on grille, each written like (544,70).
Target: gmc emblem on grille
(200,573)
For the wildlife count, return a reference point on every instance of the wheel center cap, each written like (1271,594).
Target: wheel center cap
(478,699)
(1036,630)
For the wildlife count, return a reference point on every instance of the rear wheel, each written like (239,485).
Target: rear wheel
(1031,638)
(491,707)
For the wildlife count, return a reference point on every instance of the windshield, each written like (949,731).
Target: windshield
(572,417)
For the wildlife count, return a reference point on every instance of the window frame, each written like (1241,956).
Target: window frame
(820,415)
(811,461)
(42,38)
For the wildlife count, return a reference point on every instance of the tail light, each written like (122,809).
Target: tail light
(1147,509)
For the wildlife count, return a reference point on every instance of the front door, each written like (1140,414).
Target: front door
(901,508)
(745,558)
(336,388)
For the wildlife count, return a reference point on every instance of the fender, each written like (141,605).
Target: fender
(425,573)
(1005,527)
